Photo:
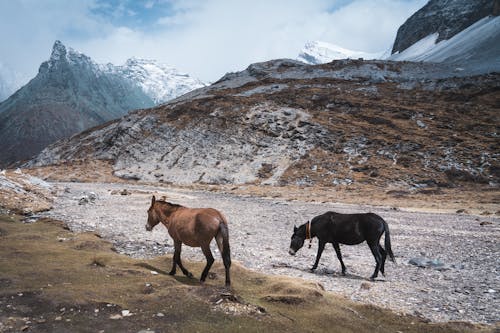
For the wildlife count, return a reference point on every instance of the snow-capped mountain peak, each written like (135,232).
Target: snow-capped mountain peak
(318,52)
(159,81)
(62,54)
(58,51)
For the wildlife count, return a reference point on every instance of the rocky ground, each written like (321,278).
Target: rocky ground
(23,193)
(461,252)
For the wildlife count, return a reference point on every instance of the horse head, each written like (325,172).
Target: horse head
(153,217)
(298,239)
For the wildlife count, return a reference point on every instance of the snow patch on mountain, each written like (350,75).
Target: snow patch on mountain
(479,43)
(159,81)
(318,52)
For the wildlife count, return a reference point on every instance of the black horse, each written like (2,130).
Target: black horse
(349,229)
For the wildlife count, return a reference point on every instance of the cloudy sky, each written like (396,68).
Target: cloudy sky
(205,38)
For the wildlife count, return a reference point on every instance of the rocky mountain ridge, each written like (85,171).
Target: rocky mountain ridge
(69,94)
(72,93)
(345,123)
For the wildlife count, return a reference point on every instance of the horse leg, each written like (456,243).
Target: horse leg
(177,259)
(339,256)
(384,256)
(321,247)
(378,258)
(210,261)
(177,253)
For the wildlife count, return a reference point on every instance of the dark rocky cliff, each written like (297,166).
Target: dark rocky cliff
(446,17)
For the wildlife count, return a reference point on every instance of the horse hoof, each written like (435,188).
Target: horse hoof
(171,273)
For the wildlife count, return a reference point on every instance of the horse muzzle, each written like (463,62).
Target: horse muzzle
(148,227)
(292,252)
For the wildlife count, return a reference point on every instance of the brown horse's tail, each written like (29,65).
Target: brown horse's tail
(226,251)
(224,248)
(388,241)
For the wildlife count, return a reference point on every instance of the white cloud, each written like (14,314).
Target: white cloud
(149,4)
(204,38)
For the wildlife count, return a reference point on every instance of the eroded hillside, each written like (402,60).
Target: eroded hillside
(347,123)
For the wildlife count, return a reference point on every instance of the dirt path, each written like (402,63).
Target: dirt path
(466,288)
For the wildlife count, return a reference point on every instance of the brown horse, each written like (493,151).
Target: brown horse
(195,227)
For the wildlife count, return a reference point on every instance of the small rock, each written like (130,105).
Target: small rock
(485,223)
(424,262)
(83,201)
(421,124)
(125,192)
(115,316)
(92,197)
(126,313)
(159,314)
(58,318)
(148,289)
(365,286)
(154,272)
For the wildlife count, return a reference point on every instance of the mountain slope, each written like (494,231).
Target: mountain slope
(69,94)
(346,123)
(318,52)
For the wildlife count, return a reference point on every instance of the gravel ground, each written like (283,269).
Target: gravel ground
(466,288)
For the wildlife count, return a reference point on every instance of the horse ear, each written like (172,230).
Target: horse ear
(153,200)
(294,228)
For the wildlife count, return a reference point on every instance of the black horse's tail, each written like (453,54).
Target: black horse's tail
(388,241)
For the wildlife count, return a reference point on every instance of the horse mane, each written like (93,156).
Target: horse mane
(163,202)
